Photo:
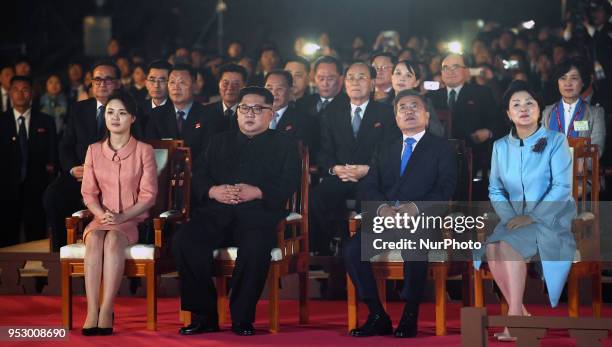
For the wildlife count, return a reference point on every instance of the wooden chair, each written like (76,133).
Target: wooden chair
(289,257)
(585,227)
(446,118)
(390,266)
(142,260)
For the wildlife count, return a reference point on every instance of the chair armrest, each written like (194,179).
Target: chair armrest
(74,224)
(159,222)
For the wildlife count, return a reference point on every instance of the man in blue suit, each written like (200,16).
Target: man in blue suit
(411,173)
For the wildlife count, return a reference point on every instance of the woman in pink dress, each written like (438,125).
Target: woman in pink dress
(119,187)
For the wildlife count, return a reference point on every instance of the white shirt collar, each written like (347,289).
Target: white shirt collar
(417,137)
(162,103)
(98,104)
(328,99)
(281,112)
(457,90)
(362,107)
(567,107)
(25,115)
(4,91)
(225,107)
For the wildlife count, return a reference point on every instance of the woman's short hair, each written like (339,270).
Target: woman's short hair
(583,67)
(412,66)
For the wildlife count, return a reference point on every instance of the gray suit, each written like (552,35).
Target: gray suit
(597,125)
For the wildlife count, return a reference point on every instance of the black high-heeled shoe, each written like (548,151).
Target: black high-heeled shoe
(107,331)
(89,331)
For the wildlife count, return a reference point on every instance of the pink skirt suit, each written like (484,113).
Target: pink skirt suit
(117,180)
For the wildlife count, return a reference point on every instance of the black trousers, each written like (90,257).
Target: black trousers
(61,199)
(327,206)
(415,274)
(193,247)
(24,209)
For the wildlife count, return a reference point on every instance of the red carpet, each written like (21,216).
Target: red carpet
(327,325)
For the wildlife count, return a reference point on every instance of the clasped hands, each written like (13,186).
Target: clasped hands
(110,218)
(408,208)
(351,173)
(518,222)
(233,194)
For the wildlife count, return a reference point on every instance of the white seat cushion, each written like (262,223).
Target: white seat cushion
(293,217)
(231,253)
(134,252)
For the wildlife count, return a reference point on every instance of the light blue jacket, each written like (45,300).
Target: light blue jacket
(525,182)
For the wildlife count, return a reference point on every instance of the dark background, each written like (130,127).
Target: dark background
(51,31)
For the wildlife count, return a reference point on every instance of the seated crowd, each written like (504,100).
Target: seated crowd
(376,126)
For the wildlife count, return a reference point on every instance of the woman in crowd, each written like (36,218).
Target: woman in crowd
(137,89)
(119,187)
(571,115)
(54,101)
(530,190)
(407,75)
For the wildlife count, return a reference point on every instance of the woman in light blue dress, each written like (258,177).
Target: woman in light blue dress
(530,190)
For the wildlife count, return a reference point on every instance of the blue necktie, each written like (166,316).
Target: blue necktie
(407,153)
(274,121)
(356,122)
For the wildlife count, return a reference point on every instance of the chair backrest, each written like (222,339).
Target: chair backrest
(164,154)
(585,175)
(463,191)
(298,203)
(446,118)
(179,195)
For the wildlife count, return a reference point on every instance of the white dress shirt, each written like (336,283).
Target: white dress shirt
(568,113)
(362,107)
(417,137)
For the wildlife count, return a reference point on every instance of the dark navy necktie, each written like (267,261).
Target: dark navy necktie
(100,118)
(23,146)
(179,121)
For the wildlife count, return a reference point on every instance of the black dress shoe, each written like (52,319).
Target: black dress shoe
(199,327)
(407,326)
(105,331)
(89,331)
(243,329)
(377,324)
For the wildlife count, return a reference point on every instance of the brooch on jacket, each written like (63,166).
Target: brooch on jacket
(539,146)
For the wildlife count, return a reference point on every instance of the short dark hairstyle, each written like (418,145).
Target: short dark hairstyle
(286,74)
(389,55)
(126,99)
(405,93)
(299,60)
(411,66)
(370,68)
(25,79)
(159,64)
(261,91)
(583,67)
(520,86)
(269,46)
(22,59)
(327,59)
(108,63)
(231,67)
(184,67)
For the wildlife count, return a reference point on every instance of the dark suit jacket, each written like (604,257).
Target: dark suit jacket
(300,127)
(268,161)
(308,103)
(339,147)
(80,132)
(197,128)
(216,109)
(430,175)
(145,109)
(474,109)
(42,151)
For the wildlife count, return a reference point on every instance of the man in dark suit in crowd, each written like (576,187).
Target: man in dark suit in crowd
(6,74)
(475,116)
(84,126)
(329,82)
(183,118)
(349,134)
(232,79)
(287,120)
(300,71)
(269,59)
(243,182)
(411,172)
(29,150)
(157,88)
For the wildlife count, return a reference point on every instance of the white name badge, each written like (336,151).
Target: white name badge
(581,125)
